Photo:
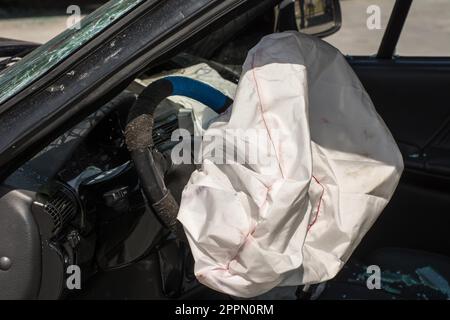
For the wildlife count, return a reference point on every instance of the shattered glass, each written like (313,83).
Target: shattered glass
(42,59)
(424,284)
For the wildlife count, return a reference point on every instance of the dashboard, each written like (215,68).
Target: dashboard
(78,202)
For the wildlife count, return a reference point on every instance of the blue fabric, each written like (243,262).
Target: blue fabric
(199,91)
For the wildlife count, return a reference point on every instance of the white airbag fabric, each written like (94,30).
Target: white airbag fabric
(333,166)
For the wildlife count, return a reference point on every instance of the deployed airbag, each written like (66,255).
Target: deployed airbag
(326,167)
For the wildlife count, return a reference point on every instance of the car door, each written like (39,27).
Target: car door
(408,79)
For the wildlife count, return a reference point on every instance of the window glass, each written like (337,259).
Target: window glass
(47,56)
(363,26)
(427,29)
(40,21)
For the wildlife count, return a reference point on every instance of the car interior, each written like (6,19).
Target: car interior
(408,93)
(92,212)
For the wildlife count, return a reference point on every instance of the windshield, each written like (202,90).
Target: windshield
(47,56)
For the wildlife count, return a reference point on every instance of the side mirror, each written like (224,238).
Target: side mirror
(320,18)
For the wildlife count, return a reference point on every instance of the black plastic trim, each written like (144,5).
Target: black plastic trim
(394,29)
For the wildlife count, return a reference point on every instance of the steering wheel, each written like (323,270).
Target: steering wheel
(138,138)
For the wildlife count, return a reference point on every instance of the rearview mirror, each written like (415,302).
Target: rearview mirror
(320,18)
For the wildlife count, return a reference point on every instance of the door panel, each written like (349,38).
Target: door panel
(413,98)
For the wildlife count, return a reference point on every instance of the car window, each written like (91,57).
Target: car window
(427,29)
(40,21)
(363,26)
(46,57)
